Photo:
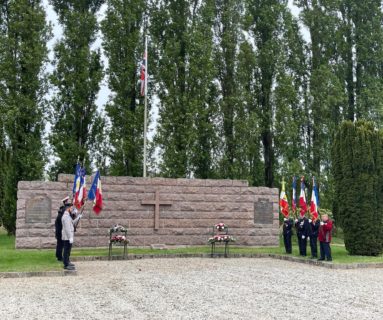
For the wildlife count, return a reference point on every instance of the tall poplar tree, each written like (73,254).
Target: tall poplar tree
(77,125)
(183,75)
(227,39)
(123,45)
(23,38)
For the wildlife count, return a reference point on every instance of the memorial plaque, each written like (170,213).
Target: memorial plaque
(263,211)
(38,210)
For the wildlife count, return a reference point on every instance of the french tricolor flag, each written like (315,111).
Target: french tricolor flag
(302,198)
(314,203)
(95,193)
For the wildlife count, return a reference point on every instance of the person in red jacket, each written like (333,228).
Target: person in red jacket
(324,237)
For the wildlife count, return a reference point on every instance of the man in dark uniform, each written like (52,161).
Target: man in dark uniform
(58,230)
(314,229)
(303,231)
(287,233)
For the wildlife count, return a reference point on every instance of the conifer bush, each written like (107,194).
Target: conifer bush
(357,158)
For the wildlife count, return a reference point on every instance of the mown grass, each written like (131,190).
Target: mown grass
(45,260)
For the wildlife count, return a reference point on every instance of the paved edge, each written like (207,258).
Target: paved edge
(329,265)
(38,274)
(317,263)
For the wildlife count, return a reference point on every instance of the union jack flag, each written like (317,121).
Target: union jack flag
(143,74)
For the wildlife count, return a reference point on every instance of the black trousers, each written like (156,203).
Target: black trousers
(302,246)
(67,249)
(59,249)
(287,242)
(314,246)
(325,250)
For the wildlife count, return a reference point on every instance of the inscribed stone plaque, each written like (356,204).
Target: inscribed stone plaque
(263,211)
(38,210)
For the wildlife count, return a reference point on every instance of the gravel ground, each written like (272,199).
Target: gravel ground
(196,288)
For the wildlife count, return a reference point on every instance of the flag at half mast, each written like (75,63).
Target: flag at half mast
(144,75)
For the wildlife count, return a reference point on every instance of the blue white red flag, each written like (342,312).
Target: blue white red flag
(95,193)
(294,197)
(76,183)
(302,198)
(80,196)
(314,204)
(143,75)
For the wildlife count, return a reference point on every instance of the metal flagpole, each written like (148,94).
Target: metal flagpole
(146,101)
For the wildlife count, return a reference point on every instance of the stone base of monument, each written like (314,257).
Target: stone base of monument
(156,211)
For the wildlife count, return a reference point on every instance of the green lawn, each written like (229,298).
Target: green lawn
(44,260)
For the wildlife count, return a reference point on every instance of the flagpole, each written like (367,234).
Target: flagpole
(146,101)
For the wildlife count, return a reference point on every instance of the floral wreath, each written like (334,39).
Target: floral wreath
(221,238)
(118,238)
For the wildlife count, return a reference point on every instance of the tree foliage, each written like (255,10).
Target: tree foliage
(358,174)
(123,45)
(23,37)
(77,127)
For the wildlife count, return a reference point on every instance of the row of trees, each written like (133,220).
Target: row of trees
(241,93)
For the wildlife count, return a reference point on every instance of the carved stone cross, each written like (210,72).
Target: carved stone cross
(156,202)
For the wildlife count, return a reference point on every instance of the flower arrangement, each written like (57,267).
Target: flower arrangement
(119,239)
(220,226)
(221,238)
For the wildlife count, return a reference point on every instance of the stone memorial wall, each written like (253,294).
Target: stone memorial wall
(155,211)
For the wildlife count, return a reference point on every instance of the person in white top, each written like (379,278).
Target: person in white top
(68,233)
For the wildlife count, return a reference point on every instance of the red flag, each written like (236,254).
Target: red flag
(302,198)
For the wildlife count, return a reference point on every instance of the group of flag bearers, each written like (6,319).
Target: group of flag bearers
(70,213)
(308,229)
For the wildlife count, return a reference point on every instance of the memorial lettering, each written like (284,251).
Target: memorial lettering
(38,210)
(263,211)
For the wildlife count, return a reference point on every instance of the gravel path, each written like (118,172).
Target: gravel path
(195,288)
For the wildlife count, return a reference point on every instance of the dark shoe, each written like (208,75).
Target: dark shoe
(69,268)
(313,257)
(59,259)
(329,259)
(321,259)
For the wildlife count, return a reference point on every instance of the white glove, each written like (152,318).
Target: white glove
(321,223)
(80,215)
(71,240)
(303,237)
(296,220)
(308,238)
(284,219)
(74,210)
(310,220)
